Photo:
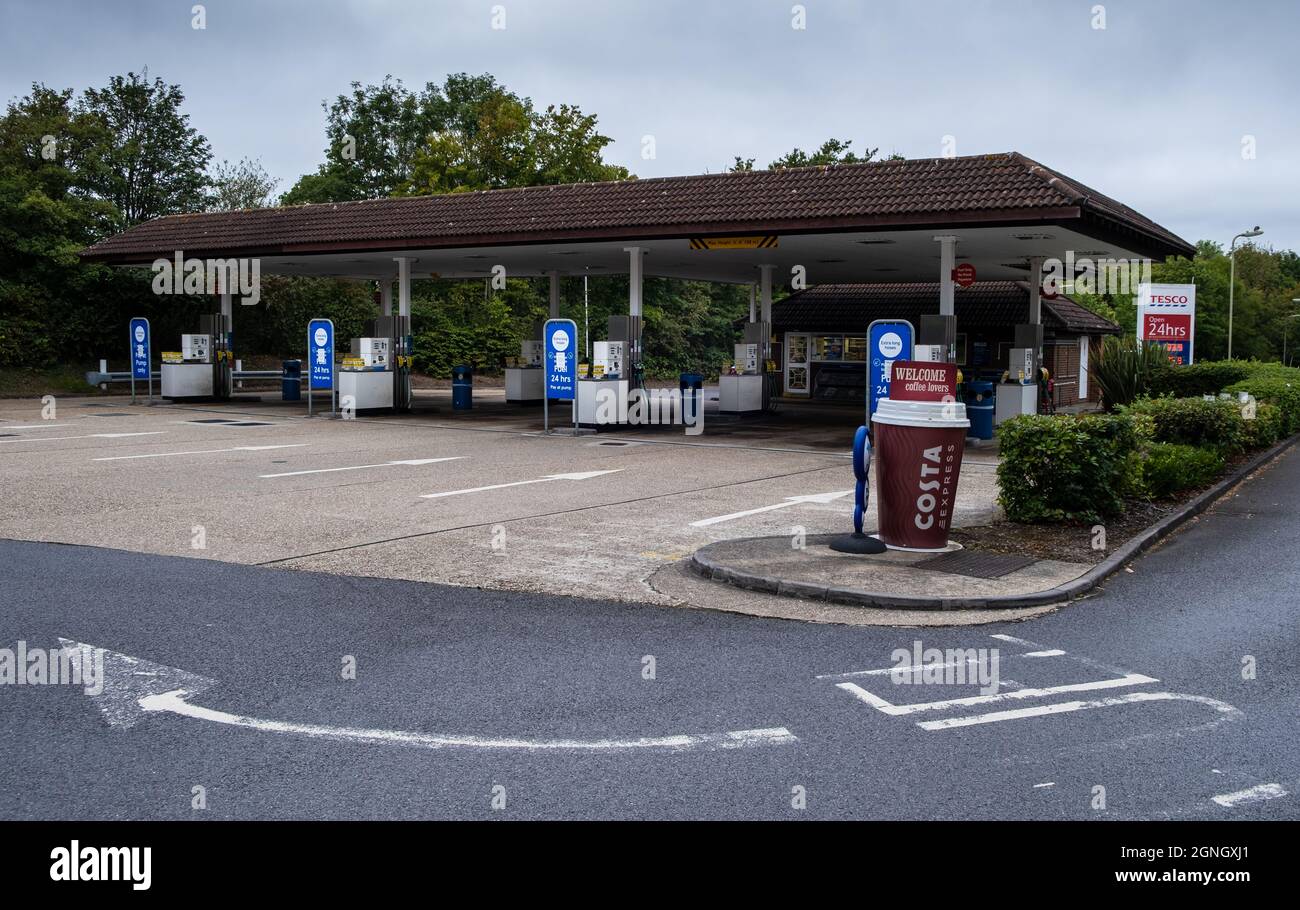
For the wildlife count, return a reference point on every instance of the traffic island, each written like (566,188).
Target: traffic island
(960,578)
(984,568)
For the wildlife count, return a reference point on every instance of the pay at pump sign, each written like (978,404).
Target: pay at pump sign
(887,340)
(561,336)
(320,351)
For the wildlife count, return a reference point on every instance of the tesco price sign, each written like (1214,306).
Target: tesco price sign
(1166,314)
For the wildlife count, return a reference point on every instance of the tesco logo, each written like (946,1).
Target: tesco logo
(1168,298)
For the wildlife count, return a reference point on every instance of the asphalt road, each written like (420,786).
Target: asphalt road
(495,680)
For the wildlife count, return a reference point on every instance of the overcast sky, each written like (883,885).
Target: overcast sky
(1153,109)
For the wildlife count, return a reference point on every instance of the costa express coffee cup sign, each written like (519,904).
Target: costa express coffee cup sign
(919,446)
(917,380)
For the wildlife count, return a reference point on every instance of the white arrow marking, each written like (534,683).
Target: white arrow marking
(584,475)
(87,436)
(133,688)
(1251,795)
(291,445)
(789,501)
(362,467)
(1067,707)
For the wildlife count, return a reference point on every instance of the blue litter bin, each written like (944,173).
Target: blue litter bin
(980,402)
(462,388)
(692,387)
(291,380)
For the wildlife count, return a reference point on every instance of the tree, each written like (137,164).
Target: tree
(152,161)
(832,151)
(245,185)
(469,133)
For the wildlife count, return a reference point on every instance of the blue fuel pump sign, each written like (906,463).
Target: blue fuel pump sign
(561,358)
(887,340)
(140,341)
(320,351)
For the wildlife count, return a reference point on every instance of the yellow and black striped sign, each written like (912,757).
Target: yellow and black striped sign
(759,242)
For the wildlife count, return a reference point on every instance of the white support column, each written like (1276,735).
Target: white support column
(753,311)
(633,280)
(947,262)
(555,295)
(403,285)
(386,297)
(1035,290)
(765,294)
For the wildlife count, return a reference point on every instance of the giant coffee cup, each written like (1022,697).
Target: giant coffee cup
(918,451)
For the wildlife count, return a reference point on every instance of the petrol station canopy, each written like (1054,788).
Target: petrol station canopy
(861,223)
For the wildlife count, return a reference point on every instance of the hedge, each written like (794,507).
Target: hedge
(1168,469)
(1195,422)
(1208,378)
(1273,388)
(1060,468)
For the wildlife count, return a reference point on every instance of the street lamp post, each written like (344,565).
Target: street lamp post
(1232,276)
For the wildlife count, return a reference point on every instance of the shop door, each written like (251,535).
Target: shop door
(797,377)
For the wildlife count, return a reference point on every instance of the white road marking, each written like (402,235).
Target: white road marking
(35,426)
(133,688)
(1050,783)
(789,501)
(583,475)
(87,436)
(1251,795)
(1069,706)
(1052,652)
(361,467)
(1132,679)
(175,703)
(1011,639)
(291,445)
(911,668)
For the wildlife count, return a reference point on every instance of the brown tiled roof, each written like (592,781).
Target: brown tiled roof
(932,192)
(985,304)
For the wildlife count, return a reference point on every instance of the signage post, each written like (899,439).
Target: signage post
(887,340)
(1166,314)
(320,357)
(561,378)
(141,355)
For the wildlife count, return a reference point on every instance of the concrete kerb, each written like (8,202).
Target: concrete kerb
(703,563)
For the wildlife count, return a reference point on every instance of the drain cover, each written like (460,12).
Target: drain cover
(212,420)
(247,423)
(613,443)
(975,564)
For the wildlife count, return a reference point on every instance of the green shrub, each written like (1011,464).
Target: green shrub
(1127,369)
(1275,388)
(1168,469)
(1057,468)
(1207,378)
(1194,422)
(1267,428)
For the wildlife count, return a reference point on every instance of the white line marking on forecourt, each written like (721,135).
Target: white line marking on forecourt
(290,445)
(582,475)
(87,436)
(789,501)
(1251,795)
(133,688)
(362,467)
